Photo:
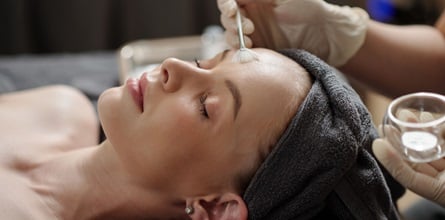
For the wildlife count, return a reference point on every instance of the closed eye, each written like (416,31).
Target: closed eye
(197,63)
(202,106)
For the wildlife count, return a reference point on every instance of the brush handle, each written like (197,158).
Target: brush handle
(240,29)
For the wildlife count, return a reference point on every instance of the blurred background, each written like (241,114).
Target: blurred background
(55,26)
(82,42)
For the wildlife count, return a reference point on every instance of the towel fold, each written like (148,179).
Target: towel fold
(322,166)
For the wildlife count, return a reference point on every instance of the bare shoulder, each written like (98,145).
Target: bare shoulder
(37,125)
(440,24)
(44,115)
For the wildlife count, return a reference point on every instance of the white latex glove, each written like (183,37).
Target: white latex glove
(333,33)
(425,179)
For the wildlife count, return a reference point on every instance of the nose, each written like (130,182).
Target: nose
(177,73)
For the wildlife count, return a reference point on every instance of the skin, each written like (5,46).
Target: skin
(162,151)
(396,60)
(35,129)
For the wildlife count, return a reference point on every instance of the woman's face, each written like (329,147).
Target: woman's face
(189,126)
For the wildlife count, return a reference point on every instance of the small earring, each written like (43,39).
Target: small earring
(189,210)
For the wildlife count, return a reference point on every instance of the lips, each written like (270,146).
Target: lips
(137,88)
(143,83)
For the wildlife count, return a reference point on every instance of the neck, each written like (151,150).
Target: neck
(92,184)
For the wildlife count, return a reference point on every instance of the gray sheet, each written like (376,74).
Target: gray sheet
(91,72)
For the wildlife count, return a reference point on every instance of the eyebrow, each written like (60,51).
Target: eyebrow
(233,88)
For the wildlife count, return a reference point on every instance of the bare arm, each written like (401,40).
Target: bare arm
(396,60)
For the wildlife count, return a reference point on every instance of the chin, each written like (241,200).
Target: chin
(109,105)
(109,99)
(116,111)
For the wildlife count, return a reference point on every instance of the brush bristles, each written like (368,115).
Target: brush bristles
(244,55)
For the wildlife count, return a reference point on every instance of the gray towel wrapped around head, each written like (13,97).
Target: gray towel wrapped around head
(322,168)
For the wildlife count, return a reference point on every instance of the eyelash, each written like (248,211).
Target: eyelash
(197,63)
(202,107)
(203,98)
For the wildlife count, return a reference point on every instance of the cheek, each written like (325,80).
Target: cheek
(171,124)
(174,140)
(177,126)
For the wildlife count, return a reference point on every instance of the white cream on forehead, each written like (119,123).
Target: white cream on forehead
(244,55)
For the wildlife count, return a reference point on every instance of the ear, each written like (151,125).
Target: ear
(228,206)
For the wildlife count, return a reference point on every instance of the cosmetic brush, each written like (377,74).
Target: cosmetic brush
(244,54)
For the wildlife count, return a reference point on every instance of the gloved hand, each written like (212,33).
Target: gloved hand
(331,32)
(425,179)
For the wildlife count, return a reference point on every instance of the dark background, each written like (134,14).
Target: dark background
(61,26)
(48,26)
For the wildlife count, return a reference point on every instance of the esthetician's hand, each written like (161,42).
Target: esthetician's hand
(425,179)
(329,31)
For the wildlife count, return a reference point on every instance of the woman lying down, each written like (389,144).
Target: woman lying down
(277,138)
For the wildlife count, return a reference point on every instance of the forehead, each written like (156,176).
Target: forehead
(269,64)
(267,85)
(272,70)
(265,56)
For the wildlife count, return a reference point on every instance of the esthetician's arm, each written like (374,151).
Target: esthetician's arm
(396,60)
(392,59)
